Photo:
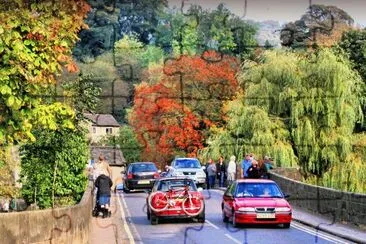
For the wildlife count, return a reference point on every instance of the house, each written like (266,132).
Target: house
(101,125)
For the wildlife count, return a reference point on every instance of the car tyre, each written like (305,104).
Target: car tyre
(148,214)
(286,226)
(154,220)
(225,219)
(202,216)
(233,220)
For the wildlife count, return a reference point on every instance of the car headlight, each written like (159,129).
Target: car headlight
(246,209)
(283,209)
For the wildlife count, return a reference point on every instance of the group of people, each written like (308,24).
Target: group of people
(226,173)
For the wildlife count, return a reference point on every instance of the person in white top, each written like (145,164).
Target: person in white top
(231,170)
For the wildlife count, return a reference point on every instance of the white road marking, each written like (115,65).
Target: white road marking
(125,225)
(208,222)
(315,233)
(233,239)
(130,219)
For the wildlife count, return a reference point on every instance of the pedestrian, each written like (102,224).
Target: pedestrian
(102,166)
(231,170)
(268,162)
(262,170)
(104,184)
(221,171)
(253,171)
(246,163)
(211,171)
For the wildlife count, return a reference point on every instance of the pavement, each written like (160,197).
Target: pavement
(115,229)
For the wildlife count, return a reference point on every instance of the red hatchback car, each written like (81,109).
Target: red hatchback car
(175,197)
(255,201)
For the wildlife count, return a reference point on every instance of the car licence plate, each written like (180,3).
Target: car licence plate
(143,182)
(266,216)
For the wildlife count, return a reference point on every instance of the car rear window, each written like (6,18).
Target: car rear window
(187,163)
(166,185)
(144,168)
(266,190)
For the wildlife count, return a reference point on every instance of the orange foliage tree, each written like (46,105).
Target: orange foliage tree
(172,115)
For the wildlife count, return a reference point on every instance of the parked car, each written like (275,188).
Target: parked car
(190,167)
(140,176)
(255,201)
(175,197)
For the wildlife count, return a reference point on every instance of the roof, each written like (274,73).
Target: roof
(102,120)
(254,181)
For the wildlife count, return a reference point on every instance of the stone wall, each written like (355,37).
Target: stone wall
(342,206)
(61,225)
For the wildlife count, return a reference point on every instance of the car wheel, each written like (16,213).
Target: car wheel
(154,220)
(202,217)
(225,219)
(233,220)
(286,226)
(148,214)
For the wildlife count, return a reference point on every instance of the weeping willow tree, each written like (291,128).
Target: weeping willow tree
(251,129)
(299,107)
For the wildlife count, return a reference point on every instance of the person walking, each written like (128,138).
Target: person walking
(211,171)
(231,170)
(221,171)
(102,166)
(246,163)
(104,184)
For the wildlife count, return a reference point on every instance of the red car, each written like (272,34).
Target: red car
(255,201)
(175,197)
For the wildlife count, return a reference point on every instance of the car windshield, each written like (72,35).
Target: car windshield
(265,190)
(166,185)
(144,168)
(187,163)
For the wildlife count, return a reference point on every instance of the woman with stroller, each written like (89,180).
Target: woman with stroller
(104,184)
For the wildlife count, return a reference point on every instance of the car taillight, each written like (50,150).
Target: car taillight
(156,175)
(130,176)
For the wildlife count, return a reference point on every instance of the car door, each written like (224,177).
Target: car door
(228,199)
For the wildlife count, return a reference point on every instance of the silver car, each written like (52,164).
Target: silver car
(190,167)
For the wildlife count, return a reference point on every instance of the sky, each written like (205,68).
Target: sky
(280,10)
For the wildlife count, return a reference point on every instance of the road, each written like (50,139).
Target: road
(213,230)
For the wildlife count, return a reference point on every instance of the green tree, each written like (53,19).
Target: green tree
(53,168)
(353,43)
(35,43)
(127,141)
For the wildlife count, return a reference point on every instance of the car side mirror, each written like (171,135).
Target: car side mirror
(203,167)
(200,189)
(123,172)
(229,195)
(286,196)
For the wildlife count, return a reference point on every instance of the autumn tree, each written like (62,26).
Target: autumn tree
(163,126)
(35,44)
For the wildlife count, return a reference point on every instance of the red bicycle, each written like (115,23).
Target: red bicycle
(180,198)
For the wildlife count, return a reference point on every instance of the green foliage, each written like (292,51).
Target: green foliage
(35,44)
(53,168)
(127,141)
(302,108)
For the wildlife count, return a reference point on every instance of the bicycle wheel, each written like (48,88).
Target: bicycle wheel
(158,201)
(193,206)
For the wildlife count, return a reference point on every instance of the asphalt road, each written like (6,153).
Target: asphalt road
(213,230)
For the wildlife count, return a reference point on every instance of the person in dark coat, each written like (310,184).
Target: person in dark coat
(253,171)
(221,171)
(104,184)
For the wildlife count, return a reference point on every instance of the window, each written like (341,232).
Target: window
(94,130)
(108,130)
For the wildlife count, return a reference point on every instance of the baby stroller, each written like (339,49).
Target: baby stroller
(97,210)
(102,201)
